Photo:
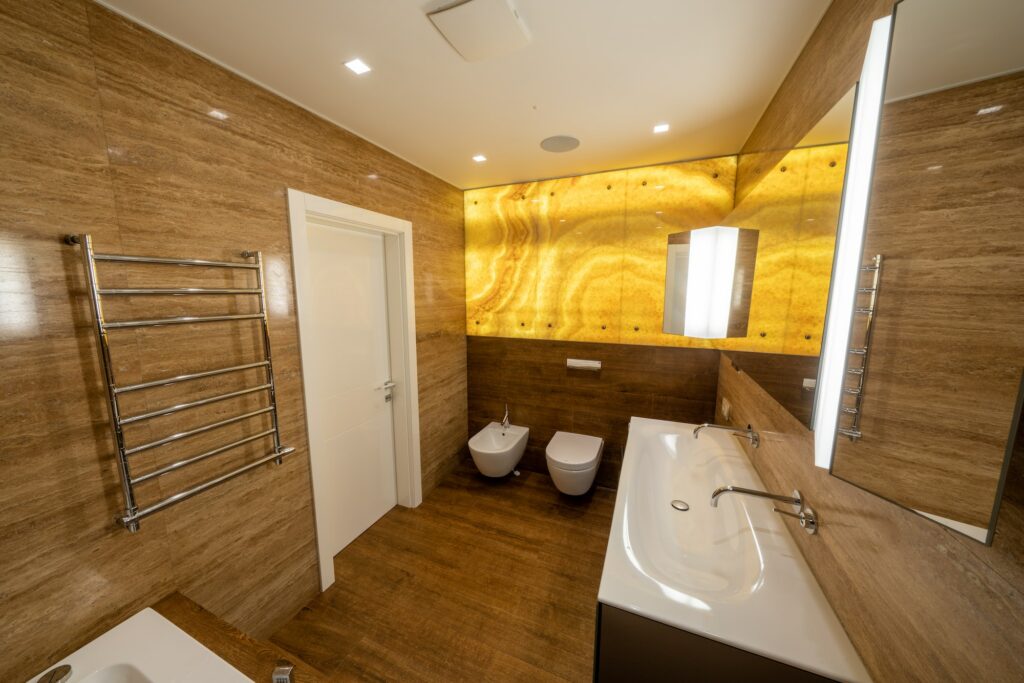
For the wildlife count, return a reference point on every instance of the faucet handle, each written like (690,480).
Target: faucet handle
(808,518)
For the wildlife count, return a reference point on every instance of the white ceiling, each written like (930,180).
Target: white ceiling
(940,44)
(604,71)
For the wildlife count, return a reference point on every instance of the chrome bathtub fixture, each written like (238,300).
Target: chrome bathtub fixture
(132,513)
(748,433)
(808,518)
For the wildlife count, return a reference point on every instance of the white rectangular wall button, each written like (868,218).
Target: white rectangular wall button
(578,364)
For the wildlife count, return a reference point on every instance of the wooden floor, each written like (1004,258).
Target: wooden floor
(485,581)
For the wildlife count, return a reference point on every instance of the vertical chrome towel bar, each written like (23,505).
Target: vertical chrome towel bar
(132,512)
(861,372)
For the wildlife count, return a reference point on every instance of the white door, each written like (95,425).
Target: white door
(346,369)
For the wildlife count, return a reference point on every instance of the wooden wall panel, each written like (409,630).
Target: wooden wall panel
(782,376)
(826,69)
(105,129)
(947,352)
(919,602)
(542,394)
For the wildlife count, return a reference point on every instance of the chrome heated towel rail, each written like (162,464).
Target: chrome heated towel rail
(132,512)
(856,392)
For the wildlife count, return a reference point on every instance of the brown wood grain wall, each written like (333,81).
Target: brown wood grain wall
(542,394)
(947,351)
(919,602)
(828,66)
(105,129)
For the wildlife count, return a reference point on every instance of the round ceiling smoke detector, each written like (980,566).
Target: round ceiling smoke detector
(559,143)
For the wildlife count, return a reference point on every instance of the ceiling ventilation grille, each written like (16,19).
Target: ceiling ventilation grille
(482,29)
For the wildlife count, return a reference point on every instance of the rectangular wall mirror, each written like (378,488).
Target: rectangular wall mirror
(940,398)
(809,216)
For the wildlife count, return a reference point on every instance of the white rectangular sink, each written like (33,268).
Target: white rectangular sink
(732,573)
(147,648)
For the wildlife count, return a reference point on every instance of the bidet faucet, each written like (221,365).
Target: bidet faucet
(748,433)
(808,518)
(505,423)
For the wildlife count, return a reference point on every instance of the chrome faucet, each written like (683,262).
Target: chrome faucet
(505,423)
(748,433)
(808,518)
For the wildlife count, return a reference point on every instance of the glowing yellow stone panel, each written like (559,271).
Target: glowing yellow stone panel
(583,258)
(816,244)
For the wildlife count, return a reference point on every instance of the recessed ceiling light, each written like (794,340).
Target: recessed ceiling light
(661,128)
(479,158)
(357,66)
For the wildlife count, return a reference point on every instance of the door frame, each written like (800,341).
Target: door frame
(305,209)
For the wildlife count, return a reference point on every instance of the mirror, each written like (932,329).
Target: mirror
(796,206)
(931,407)
(708,280)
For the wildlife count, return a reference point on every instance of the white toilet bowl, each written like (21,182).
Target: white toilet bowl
(573,460)
(497,450)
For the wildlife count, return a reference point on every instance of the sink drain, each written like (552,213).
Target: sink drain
(680,505)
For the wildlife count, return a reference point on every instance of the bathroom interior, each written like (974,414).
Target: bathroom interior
(512,340)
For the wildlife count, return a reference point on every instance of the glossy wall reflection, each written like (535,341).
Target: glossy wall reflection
(583,258)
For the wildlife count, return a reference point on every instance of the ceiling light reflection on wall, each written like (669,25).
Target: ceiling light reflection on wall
(358,66)
(217,114)
(479,158)
(867,114)
(661,128)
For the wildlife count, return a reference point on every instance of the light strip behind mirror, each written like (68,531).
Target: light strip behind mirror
(850,243)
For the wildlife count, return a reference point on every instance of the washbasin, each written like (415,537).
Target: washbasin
(497,449)
(146,648)
(118,673)
(731,573)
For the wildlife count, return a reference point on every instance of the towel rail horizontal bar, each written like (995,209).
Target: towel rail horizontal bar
(202,456)
(198,430)
(175,291)
(192,404)
(190,376)
(174,261)
(182,320)
(131,519)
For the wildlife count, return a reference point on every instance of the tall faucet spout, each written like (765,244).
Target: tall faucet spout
(723,490)
(748,433)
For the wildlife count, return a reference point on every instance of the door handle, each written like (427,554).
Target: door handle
(387,386)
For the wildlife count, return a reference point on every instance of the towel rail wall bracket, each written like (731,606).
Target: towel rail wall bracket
(133,513)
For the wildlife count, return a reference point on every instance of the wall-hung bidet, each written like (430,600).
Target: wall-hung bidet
(497,448)
(573,460)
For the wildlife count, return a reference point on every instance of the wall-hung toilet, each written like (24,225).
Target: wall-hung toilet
(573,460)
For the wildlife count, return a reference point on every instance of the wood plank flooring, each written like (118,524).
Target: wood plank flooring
(485,581)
